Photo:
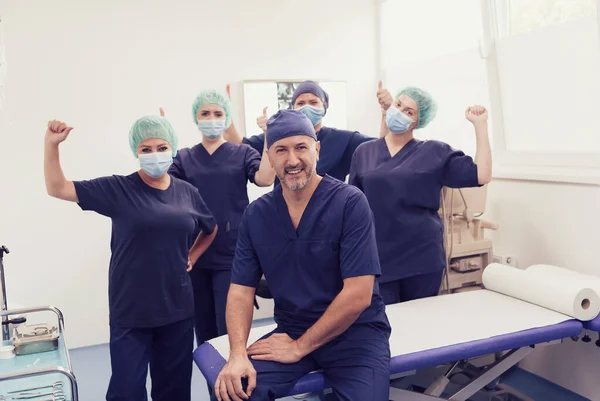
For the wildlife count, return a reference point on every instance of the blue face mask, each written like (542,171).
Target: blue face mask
(313,113)
(211,128)
(157,163)
(397,121)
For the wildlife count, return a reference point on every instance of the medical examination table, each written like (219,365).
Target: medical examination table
(441,330)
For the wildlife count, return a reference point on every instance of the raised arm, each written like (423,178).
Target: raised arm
(57,185)
(265,176)
(385,100)
(231,134)
(478,116)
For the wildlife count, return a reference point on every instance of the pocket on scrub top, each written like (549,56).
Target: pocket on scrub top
(321,254)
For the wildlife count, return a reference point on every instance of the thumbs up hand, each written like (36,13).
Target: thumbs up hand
(384,96)
(262,120)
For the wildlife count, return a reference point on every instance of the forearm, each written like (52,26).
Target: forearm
(56,184)
(265,175)
(383,130)
(483,154)
(201,245)
(238,316)
(339,316)
(232,135)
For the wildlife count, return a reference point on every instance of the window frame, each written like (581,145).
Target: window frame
(581,168)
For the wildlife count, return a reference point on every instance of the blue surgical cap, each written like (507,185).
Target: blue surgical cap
(213,96)
(315,89)
(286,123)
(152,127)
(427,106)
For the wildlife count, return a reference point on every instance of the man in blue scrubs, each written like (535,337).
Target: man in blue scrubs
(337,146)
(313,238)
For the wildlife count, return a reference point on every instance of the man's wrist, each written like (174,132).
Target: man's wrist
(302,347)
(238,352)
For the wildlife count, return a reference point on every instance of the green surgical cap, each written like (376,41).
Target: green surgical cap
(152,127)
(427,106)
(212,96)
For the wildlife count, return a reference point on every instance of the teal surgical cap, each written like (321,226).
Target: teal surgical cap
(212,96)
(152,127)
(427,106)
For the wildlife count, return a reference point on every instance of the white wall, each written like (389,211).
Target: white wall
(556,224)
(99,65)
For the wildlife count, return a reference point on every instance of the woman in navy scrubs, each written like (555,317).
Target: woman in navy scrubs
(155,242)
(402,178)
(220,171)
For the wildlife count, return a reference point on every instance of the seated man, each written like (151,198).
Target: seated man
(314,240)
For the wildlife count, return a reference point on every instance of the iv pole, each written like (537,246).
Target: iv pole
(5,328)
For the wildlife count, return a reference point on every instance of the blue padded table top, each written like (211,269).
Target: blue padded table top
(593,325)
(434,331)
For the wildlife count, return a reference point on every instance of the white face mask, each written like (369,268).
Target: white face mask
(397,121)
(156,164)
(211,128)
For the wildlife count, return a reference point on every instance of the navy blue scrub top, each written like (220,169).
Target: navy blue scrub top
(222,180)
(337,148)
(404,193)
(152,233)
(305,269)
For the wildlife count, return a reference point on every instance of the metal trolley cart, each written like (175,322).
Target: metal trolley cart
(40,370)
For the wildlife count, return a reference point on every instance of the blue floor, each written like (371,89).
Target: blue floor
(92,369)
(537,387)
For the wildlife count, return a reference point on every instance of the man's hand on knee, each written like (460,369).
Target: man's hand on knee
(278,347)
(228,386)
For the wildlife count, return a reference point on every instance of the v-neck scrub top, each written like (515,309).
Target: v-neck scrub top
(404,195)
(221,179)
(305,268)
(152,233)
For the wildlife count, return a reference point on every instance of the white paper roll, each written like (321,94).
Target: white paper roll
(568,295)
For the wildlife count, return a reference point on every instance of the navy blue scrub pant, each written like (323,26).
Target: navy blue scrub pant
(410,288)
(210,299)
(167,349)
(356,366)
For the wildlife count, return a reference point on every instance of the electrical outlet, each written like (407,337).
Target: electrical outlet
(505,260)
